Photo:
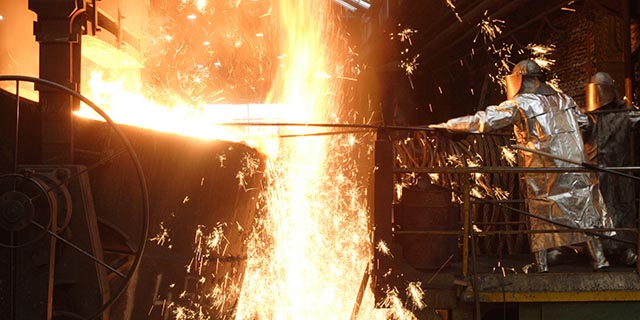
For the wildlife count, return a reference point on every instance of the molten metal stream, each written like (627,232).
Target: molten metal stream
(313,244)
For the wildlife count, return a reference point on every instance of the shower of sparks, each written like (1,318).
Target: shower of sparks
(527,267)
(410,65)
(397,308)
(456,198)
(474,163)
(435,177)
(250,164)
(250,167)
(554,83)
(183,313)
(454,160)
(482,188)
(476,192)
(306,251)
(383,248)
(566,8)
(222,158)
(201,4)
(406,180)
(540,55)
(508,155)
(162,236)
(489,28)
(503,269)
(500,194)
(453,8)
(415,292)
(206,245)
(305,260)
(405,35)
(502,57)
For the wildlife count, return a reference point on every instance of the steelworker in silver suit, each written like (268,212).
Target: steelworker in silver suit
(546,120)
(608,144)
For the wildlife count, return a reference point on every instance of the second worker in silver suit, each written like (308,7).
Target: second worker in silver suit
(549,121)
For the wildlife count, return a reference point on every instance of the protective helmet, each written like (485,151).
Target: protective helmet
(601,91)
(527,77)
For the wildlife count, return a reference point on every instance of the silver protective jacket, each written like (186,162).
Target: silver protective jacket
(552,124)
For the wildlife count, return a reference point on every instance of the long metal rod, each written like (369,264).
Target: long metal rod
(82,251)
(591,232)
(317,134)
(372,127)
(584,164)
(433,232)
(14,275)
(361,291)
(17,129)
(466,197)
(502,169)
(511,232)
(444,264)
(13,251)
(474,266)
(506,232)
(466,208)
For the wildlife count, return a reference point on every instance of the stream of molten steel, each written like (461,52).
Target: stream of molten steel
(318,244)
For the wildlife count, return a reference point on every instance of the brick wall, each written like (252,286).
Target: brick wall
(587,41)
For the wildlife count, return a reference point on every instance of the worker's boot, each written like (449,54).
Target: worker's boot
(598,260)
(629,257)
(541,260)
(555,256)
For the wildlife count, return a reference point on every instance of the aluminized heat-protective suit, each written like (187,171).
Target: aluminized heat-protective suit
(608,144)
(550,124)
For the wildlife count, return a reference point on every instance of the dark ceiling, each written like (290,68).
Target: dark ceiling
(453,55)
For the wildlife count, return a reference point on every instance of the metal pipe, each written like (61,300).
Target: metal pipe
(509,232)
(17,129)
(345,5)
(363,4)
(466,207)
(626,45)
(584,164)
(474,274)
(361,291)
(432,232)
(467,170)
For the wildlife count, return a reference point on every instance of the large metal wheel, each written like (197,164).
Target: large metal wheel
(33,205)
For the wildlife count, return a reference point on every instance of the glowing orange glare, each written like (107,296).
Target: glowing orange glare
(317,246)
(317,208)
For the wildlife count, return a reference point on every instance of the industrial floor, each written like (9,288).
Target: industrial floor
(503,279)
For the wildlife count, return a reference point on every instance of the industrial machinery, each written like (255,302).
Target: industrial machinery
(78,215)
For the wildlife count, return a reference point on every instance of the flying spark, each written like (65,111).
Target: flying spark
(415,292)
(489,28)
(453,8)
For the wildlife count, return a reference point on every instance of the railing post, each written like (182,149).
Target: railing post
(382,212)
(637,238)
(466,225)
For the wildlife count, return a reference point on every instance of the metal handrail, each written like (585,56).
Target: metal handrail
(467,231)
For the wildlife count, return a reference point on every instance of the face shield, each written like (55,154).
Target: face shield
(600,91)
(512,84)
